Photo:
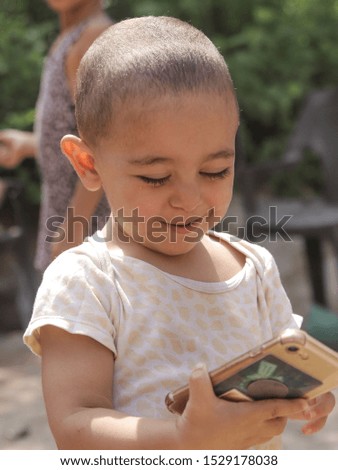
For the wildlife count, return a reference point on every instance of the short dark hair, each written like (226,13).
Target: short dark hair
(144,57)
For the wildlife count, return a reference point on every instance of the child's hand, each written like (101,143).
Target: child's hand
(209,422)
(317,414)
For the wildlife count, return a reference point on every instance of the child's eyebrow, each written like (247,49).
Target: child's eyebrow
(152,160)
(227,153)
(149,160)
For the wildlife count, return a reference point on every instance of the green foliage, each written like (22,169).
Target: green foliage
(277,51)
(22,48)
(23,45)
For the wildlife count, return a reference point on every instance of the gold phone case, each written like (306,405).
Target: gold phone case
(292,365)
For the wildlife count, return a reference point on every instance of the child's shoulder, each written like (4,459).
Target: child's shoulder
(260,256)
(90,258)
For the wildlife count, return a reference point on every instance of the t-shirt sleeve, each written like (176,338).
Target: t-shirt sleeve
(278,303)
(77,296)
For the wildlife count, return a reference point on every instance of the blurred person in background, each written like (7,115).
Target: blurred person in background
(68,211)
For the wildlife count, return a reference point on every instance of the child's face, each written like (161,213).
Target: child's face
(168,172)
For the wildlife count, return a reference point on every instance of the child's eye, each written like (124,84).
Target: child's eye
(154,181)
(216,176)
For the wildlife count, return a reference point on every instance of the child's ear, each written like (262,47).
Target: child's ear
(81,158)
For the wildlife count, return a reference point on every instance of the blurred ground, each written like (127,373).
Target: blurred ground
(23,423)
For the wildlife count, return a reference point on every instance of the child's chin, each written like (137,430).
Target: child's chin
(171,248)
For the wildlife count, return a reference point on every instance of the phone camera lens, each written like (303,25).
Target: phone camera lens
(293,348)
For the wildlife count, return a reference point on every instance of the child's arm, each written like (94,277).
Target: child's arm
(77,375)
(77,380)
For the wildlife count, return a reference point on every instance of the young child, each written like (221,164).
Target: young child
(125,317)
(81,21)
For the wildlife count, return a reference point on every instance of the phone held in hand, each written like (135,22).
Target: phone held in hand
(292,365)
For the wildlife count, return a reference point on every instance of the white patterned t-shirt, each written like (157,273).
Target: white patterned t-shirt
(159,326)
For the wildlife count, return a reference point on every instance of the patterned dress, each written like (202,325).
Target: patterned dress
(55,118)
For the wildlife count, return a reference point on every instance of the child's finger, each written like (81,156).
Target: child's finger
(282,408)
(314,426)
(323,404)
(276,426)
(319,407)
(200,386)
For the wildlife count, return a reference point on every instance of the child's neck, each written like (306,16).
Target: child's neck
(210,260)
(75,16)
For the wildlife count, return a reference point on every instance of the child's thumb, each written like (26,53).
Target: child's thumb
(200,386)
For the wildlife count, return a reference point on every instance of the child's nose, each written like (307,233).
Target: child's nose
(186,197)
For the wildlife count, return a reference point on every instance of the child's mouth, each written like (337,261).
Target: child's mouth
(186,227)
